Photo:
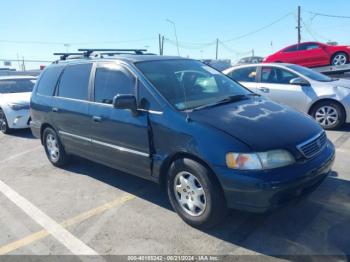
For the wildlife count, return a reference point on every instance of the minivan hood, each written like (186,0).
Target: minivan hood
(17,98)
(260,123)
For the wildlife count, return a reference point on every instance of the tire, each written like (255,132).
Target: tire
(54,149)
(330,110)
(4,128)
(198,185)
(339,58)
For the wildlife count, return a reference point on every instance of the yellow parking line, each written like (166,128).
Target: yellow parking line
(69,222)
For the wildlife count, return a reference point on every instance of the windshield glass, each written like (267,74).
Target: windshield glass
(188,84)
(16,86)
(310,73)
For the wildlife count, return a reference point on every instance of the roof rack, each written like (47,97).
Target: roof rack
(89,51)
(64,56)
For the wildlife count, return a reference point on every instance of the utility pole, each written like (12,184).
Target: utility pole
(252,52)
(299,26)
(160,44)
(162,41)
(23,65)
(217,48)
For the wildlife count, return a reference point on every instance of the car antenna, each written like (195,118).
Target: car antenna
(188,119)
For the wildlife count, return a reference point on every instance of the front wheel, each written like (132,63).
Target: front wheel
(4,127)
(194,194)
(339,59)
(53,148)
(330,115)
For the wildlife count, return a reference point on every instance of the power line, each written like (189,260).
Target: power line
(74,43)
(26,60)
(259,29)
(329,15)
(188,45)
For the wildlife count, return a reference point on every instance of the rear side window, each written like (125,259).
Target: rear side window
(48,81)
(111,80)
(276,75)
(246,74)
(74,82)
(16,86)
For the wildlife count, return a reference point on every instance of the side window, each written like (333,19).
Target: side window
(246,74)
(48,80)
(74,82)
(274,75)
(291,49)
(111,80)
(311,46)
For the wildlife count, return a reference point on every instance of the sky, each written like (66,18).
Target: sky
(36,29)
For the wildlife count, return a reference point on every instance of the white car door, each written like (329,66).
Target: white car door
(275,84)
(246,76)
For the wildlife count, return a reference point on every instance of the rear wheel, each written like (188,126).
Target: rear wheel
(194,194)
(340,58)
(329,114)
(53,148)
(4,128)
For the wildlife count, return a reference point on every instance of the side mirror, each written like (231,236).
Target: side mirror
(125,102)
(299,81)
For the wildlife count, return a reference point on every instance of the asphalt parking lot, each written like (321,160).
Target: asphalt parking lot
(87,208)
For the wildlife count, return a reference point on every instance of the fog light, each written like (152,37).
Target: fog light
(16,120)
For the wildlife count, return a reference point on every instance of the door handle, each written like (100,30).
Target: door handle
(97,119)
(264,89)
(54,109)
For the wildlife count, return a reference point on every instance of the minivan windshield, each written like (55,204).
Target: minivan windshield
(189,84)
(310,73)
(16,86)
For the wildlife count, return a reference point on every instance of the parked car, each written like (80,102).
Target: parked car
(210,142)
(326,99)
(15,92)
(311,54)
(250,60)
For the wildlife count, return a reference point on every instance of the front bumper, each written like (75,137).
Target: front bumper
(18,119)
(260,191)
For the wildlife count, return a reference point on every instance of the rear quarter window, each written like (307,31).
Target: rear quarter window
(48,80)
(245,74)
(74,82)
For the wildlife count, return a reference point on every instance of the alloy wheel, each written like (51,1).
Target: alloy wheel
(190,194)
(3,124)
(326,116)
(52,147)
(339,59)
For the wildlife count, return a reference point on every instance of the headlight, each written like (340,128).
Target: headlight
(18,107)
(262,160)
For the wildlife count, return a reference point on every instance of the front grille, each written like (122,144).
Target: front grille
(313,146)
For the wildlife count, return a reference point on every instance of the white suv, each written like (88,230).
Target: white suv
(15,93)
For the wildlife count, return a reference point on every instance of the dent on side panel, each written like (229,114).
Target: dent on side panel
(173,134)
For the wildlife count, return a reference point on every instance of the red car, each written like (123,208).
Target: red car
(311,54)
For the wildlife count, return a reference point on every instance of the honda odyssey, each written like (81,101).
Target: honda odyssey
(210,142)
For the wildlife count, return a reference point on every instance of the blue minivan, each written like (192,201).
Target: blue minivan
(210,142)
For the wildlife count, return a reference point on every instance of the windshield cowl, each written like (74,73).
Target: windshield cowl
(229,99)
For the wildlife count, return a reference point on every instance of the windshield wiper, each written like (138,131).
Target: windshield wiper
(229,99)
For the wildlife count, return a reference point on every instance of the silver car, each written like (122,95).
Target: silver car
(326,99)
